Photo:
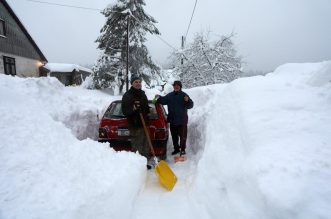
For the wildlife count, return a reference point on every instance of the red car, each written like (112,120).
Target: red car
(113,128)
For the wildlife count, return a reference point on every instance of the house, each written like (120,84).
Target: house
(19,54)
(68,74)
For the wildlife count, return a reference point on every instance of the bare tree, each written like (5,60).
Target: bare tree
(208,62)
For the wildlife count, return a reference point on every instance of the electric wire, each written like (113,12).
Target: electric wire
(95,9)
(191,18)
(166,42)
(163,40)
(63,5)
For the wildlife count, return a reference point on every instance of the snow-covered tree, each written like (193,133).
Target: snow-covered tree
(206,62)
(111,66)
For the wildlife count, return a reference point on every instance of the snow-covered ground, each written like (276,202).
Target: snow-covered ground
(258,147)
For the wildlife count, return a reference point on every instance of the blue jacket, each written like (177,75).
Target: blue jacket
(177,107)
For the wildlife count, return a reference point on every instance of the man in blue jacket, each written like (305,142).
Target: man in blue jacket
(178,102)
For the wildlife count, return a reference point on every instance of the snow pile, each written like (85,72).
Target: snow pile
(75,107)
(268,146)
(45,171)
(258,147)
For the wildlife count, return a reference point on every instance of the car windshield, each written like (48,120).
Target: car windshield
(115,110)
(151,115)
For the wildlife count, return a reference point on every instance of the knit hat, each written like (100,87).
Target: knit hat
(177,83)
(134,77)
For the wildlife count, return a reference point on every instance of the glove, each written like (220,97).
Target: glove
(154,100)
(136,105)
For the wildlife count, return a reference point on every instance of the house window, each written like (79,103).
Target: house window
(9,65)
(2,28)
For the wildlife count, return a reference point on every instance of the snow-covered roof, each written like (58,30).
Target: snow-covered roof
(63,67)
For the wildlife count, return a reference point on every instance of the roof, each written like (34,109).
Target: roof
(23,29)
(63,67)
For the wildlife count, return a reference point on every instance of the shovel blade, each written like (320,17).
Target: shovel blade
(167,178)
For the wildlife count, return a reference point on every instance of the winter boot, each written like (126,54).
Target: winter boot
(176,151)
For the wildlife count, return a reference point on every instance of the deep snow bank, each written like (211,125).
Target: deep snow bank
(258,147)
(268,146)
(45,171)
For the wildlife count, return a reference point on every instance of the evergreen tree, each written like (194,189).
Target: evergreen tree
(206,62)
(110,69)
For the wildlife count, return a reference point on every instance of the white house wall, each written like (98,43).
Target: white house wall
(25,67)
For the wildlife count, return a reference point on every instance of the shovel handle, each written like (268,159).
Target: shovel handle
(147,133)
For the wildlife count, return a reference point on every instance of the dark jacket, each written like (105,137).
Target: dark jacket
(177,107)
(128,100)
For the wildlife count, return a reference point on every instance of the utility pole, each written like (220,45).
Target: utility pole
(182,60)
(127,52)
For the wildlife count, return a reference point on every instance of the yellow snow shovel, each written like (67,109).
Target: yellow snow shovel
(167,178)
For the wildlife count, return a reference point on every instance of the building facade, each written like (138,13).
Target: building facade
(19,54)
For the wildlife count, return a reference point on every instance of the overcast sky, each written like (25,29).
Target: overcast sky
(269,32)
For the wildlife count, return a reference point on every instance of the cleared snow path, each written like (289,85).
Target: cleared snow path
(154,201)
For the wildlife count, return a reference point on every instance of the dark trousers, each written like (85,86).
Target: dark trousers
(179,132)
(139,141)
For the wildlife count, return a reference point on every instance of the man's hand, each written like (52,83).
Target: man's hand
(136,105)
(186,98)
(157,96)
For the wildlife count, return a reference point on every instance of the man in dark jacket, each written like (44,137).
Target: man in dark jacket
(135,101)
(178,102)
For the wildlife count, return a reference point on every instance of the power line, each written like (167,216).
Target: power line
(95,9)
(62,5)
(166,42)
(191,18)
(163,40)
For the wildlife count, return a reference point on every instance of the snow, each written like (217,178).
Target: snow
(63,67)
(258,147)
